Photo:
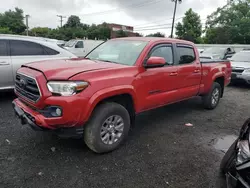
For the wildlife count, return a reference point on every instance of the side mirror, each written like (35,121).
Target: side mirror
(154,62)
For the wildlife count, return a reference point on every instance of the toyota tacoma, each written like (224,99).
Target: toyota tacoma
(99,96)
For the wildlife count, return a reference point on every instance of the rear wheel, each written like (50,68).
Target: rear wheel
(107,128)
(211,100)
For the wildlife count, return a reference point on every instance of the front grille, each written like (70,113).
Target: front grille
(27,87)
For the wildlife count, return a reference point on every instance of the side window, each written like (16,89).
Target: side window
(79,44)
(3,48)
(164,51)
(186,55)
(25,48)
(50,51)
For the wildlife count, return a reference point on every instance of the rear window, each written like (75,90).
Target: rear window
(27,48)
(186,55)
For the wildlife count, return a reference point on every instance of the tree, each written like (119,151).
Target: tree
(13,20)
(190,28)
(5,30)
(40,31)
(232,22)
(73,22)
(158,34)
(121,33)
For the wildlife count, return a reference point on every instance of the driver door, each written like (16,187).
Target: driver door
(79,49)
(157,86)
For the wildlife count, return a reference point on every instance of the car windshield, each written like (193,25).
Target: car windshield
(243,56)
(70,43)
(123,52)
(215,50)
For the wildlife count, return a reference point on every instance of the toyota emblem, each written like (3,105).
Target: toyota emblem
(22,83)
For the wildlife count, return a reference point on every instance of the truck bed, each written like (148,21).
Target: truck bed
(203,60)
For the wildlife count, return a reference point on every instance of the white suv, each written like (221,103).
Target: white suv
(16,50)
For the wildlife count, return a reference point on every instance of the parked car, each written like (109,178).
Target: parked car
(217,53)
(241,66)
(17,50)
(235,165)
(102,93)
(81,47)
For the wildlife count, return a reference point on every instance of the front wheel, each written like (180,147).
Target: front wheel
(211,100)
(107,128)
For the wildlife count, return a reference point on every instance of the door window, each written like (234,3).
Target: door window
(186,55)
(79,44)
(164,51)
(50,51)
(25,48)
(3,48)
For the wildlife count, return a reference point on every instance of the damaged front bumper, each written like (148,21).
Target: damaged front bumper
(27,118)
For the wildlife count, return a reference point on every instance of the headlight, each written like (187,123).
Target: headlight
(247,71)
(66,88)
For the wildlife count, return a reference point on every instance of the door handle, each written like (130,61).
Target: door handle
(197,70)
(4,63)
(173,74)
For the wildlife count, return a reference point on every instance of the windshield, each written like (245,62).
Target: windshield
(243,56)
(70,43)
(215,50)
(123,52)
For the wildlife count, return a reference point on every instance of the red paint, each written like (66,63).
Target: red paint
(149,88)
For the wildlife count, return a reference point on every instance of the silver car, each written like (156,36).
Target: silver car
(16,50)
(241,66)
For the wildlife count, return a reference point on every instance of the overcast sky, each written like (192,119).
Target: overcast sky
(143,14)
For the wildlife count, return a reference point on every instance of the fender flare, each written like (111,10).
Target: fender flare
(109,92)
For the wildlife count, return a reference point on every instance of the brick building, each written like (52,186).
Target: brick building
(117,27)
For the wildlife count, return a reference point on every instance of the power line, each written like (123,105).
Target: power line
(135,5)
(155,28)
(61,18)
(150,23)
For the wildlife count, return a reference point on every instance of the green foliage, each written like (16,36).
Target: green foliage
(190,28)
(73,22)
(13,20)
(229,24)
(121,33)
(5,30)
(158,34)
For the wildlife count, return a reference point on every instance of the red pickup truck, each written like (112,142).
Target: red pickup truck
(99,96)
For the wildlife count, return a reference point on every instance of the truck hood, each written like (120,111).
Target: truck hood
(64,69)
(245,65)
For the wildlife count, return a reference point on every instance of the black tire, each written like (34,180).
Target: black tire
(229,158)
(207,99)
(92,130)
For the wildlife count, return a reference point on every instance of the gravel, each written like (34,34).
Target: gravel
(160,151)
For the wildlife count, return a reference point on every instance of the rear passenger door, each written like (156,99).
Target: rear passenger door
(189,71)
(23,52)
(6,77)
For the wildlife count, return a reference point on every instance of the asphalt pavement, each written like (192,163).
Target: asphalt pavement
(160,151)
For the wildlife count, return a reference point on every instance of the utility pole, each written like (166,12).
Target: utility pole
(27,24)
(61,19)
(175,6)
